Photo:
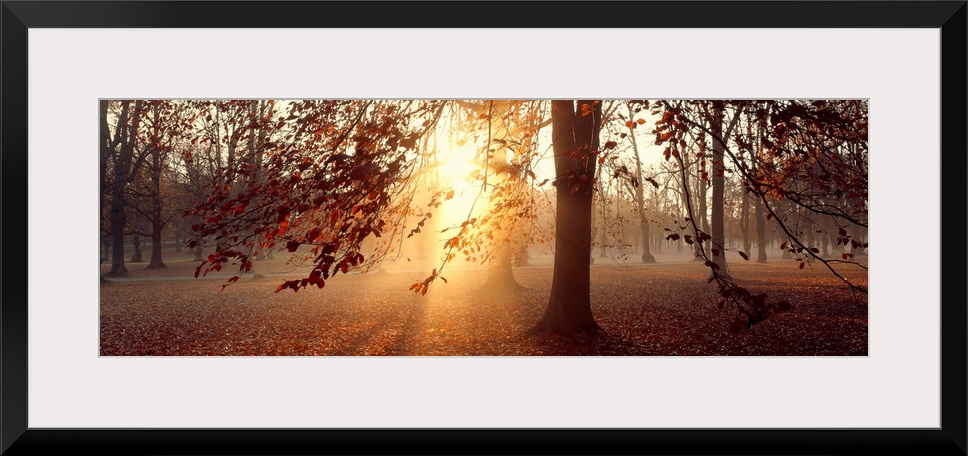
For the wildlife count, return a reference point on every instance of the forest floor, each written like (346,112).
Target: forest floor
(662,309)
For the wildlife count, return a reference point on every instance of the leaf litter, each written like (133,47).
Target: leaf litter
(644,310)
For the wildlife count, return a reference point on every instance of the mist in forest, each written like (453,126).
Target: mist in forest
(408,227)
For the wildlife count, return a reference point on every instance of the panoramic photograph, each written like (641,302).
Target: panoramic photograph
(507,227)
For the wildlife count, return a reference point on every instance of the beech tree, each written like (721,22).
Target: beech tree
(336,175)
(575,131)
(815,151)
(123,160)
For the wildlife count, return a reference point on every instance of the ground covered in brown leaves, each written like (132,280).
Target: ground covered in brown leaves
(646,310)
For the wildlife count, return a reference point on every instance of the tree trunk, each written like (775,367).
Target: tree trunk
(647,256)
(569,308)
(136,257)
(703,222)
(719,183)
(521,255)
(157,223)
(744,222)
(122,167)
(156,242)
(500,275)
(107,150)
(760,231)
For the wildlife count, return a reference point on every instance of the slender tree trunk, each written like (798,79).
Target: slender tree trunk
(136,242)
(569,307)
(521,255)
(703,222)
(603,244)
(647,256)
(744,222)
(500,275)
(760,231)
(719,183)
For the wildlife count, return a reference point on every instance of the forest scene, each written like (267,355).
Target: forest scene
(420,227)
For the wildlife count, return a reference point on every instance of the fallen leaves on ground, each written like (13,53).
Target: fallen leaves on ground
(645,310)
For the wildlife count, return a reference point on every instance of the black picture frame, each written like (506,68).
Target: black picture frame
(18,16)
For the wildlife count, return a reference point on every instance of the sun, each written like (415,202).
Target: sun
(456,168)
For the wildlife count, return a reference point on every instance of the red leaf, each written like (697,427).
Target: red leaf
(802,264)
(743,255)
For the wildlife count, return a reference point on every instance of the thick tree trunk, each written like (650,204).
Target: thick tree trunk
(569,308)
(157,223)
(647,256)
(156,242)
(117,234)
(719,183)
(500,276)
(122,165)
(107,150)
